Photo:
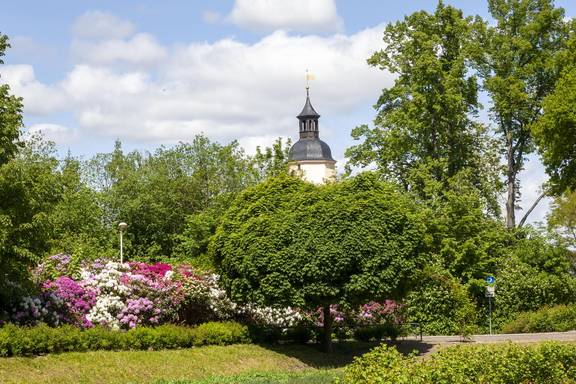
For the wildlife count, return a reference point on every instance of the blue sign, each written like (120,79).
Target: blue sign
(490,279)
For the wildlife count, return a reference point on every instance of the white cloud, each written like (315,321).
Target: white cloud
(39,99)
(294,15)
(55,132)
(226,89)
(140,49)
(102,25)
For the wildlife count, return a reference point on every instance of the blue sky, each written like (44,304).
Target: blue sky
(153,73)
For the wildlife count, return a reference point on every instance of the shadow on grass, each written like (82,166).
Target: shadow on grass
(344,352)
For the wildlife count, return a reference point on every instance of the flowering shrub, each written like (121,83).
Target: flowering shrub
(374,312)
(124,296)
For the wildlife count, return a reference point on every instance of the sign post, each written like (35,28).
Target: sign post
(490,293)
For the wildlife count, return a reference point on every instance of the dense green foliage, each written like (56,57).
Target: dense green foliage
(518,69)
(441,304)
(562,218)
(559,318)
(272,249)
(424,121)
(546,363)
(16,341)
(555,133)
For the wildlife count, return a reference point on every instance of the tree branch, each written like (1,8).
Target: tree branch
(531,209)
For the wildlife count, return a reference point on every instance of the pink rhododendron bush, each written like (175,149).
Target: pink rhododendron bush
(123,296)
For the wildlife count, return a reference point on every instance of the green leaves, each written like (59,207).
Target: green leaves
(555,134)
(425,120)
(286,242)
(543,363)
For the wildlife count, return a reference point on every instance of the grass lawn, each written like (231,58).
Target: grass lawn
(293,364)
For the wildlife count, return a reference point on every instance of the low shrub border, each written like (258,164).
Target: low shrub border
(559,318)
(545,363)
(25,341)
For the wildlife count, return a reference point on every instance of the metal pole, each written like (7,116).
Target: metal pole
(121,248)
(490,312)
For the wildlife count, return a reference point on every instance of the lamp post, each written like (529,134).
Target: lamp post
(122,227)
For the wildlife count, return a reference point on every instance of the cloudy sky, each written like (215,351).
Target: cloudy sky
(158,72)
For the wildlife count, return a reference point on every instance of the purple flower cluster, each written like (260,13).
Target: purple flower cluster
(77,299)
(372,313)
(140,311)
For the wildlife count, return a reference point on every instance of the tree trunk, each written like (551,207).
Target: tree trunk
(327,334)
(511,185)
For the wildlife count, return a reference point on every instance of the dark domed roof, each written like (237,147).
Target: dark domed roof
(310,149)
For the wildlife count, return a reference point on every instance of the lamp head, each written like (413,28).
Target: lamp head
(122,226)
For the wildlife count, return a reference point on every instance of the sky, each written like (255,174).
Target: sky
(153,73)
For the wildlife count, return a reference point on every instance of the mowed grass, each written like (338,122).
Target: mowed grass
(293,364)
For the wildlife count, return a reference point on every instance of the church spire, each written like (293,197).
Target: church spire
(308,119)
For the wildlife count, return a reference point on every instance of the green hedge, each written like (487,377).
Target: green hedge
(22,341)
(546,363)
(559,318)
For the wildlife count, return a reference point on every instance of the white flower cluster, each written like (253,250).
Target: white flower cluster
(278,317)
(107,280)
(109,302)
(106,310)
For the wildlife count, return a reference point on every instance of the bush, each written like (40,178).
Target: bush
(523,288)
(559,318)
(23,341)
(546,363)
(220,334)
(440,304)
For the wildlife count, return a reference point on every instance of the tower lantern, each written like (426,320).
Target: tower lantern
(311,158)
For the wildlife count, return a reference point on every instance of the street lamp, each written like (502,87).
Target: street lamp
(122,227)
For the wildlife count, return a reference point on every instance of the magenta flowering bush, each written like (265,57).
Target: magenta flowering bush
(76,299)
(124,296)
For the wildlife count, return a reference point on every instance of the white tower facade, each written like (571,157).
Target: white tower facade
(311,158)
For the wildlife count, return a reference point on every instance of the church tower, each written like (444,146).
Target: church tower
(311,158)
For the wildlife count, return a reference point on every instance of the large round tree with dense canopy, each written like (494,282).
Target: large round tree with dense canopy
(289,243)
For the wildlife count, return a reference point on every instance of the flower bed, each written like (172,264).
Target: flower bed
(124,296)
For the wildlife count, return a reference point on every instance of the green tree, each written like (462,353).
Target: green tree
(555,134)
(285,242)
(562,217)
(425,121)
(518,69)
(155,192)
(29,191)
(77,218)
(271,161)
(10,115)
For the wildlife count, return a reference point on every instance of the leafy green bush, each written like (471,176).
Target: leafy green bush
(220,334)
(559,318)
(440,304)
(546,363)
(522,287)
(21,341)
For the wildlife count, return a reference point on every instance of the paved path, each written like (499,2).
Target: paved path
(518,337)
(429,344)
